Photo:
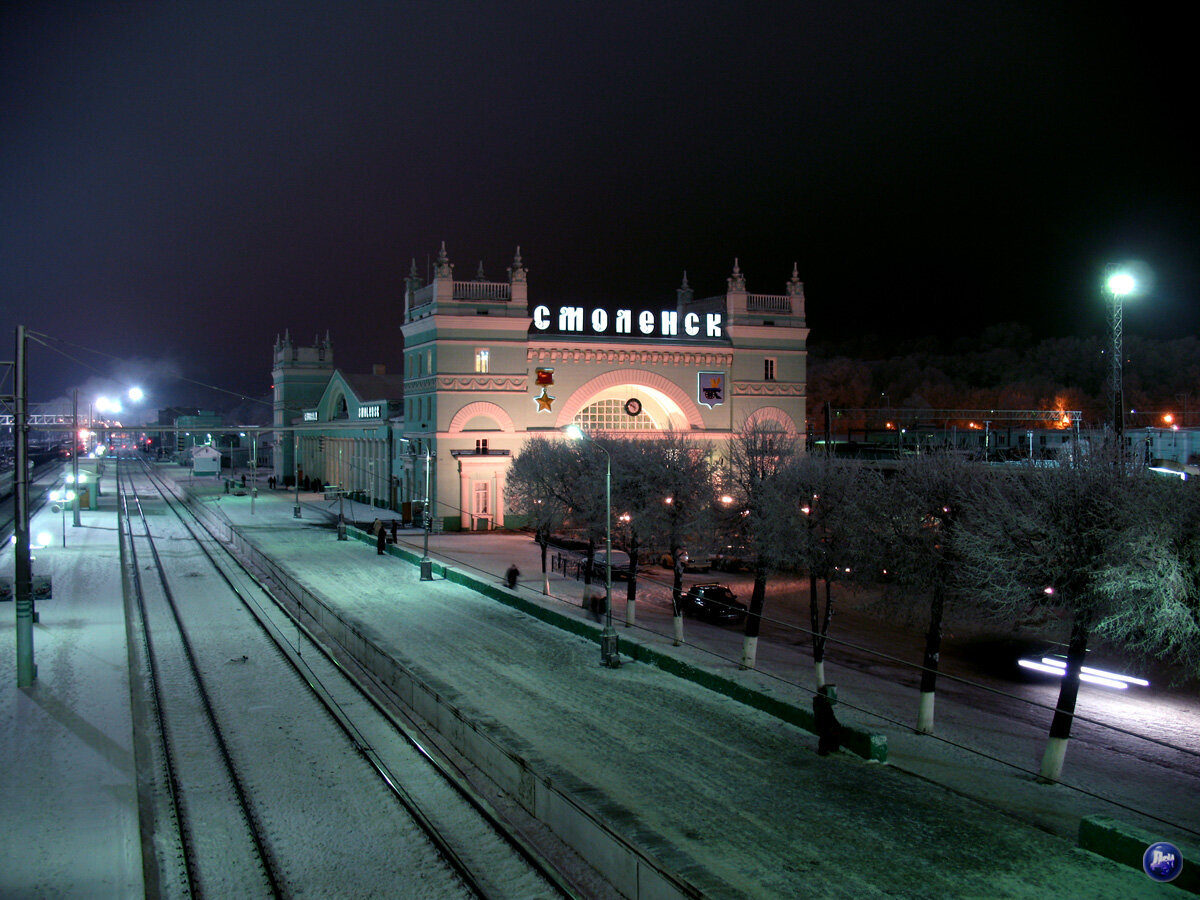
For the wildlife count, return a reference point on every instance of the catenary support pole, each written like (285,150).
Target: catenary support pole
(23,567)
(75,460)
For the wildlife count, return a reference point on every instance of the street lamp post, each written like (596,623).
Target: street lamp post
(426,562)
(608,637)
(296,471)
(1120,284)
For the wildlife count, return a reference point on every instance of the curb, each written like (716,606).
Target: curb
(1126,844)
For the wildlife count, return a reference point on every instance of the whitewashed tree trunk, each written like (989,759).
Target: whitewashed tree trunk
(629,612)
(749,652)
(819,669)
(1052,759)
(546,583)
(925,713)
(678,630)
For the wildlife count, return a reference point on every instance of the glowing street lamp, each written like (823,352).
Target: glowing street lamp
(608,637)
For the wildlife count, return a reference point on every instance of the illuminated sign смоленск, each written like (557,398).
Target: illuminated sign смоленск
(667,323)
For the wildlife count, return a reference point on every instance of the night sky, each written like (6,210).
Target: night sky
(180,182)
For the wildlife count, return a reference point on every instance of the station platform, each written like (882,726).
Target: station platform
(732,801)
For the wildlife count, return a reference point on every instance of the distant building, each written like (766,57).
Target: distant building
(205,461)
(487,366)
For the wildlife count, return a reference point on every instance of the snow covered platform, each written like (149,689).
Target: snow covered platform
(68,785)
(669,788)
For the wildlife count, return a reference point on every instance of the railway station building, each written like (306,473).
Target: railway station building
(490,364)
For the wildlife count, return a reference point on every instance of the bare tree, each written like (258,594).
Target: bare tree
(540,486)
(665,485)
(755,459)
(1057,542)
(1153,601)
(918,512)
(819,517)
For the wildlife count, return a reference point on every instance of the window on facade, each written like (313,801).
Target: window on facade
(482,497)
(768,369)
(610,415)
(481,359)
(481,445)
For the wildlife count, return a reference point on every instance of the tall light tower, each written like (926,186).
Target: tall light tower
(1119,283)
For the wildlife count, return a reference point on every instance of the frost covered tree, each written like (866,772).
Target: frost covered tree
(754,461)
(820,513)
(915,527)
(541,487)
(666,487)
(1152,603)
(1069,543)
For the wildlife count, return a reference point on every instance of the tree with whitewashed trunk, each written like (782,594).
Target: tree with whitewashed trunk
(821,512)
(917,513)
(666,485)
(539,486)
(1066,544)
(753,462)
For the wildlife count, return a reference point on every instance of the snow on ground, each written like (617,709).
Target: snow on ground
(743,799)
(68,795)
(733,799)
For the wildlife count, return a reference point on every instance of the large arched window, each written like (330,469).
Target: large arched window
(610,415)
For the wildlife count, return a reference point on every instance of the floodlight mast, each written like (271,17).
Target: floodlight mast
(1120,284)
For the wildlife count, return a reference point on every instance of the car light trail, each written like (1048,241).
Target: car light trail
(1058,667)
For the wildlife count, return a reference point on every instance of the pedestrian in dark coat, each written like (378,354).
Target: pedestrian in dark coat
(829,732)
(512,575)
(380,540)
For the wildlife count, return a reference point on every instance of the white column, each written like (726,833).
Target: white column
(465,498)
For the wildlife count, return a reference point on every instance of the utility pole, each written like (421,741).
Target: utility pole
(23,567)
(75,458)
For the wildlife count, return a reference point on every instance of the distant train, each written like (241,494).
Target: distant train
(36,459)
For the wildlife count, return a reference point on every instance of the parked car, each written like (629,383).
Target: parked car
(622,567)
(713,603)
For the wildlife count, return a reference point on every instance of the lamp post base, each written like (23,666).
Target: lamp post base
(608,648)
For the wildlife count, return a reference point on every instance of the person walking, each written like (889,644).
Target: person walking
(380,538)
(512,575)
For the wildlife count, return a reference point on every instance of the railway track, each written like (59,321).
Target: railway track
(264,769)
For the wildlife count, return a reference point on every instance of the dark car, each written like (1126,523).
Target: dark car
(622,567)
(714,603)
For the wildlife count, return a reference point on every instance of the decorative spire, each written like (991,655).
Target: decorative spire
(684,293)
(518,274)
(795,287)
(479,276)
(444,268)
(737,281)
(412,272)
